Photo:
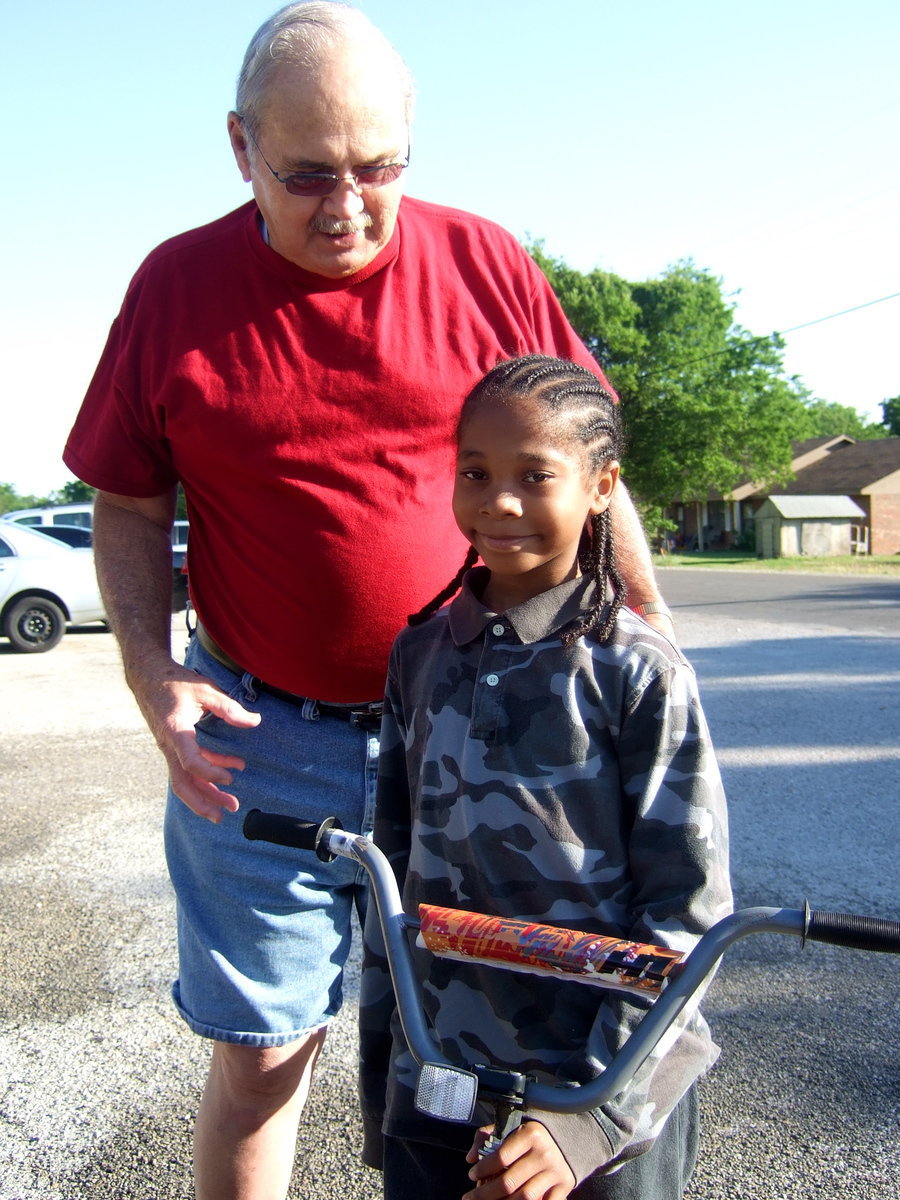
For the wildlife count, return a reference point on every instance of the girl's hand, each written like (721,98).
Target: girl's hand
(527,1166)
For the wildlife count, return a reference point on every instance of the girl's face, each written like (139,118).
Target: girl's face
(523,500)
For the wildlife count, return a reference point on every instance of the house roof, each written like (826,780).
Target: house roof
(804,453)
(849,470)
(815,507)
(802,446)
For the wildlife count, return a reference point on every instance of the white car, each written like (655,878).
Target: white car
(44,585)
(53,514)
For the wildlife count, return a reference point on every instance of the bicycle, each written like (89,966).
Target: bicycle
(450,1092)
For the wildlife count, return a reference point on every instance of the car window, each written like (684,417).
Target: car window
(69,535)
(84,519)
(6,550)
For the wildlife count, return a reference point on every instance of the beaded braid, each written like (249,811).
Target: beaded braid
(569,392)
(450,590)
(598,559)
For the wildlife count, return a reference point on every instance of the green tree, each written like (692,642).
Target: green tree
(602,311)
(827,419)
(710,407)
(10,499)
(74,492)
(705,403)
(890,416)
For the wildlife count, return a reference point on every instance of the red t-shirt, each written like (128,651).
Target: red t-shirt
(310,422)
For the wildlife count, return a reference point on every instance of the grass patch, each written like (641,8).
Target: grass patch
(849,564)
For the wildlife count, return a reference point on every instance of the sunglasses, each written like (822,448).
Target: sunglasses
(323,183)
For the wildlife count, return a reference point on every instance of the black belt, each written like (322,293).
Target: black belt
(360,716)
(366,717)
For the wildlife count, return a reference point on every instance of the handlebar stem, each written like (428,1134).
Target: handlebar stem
(394,923)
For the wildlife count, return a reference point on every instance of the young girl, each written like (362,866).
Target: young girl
(543,757)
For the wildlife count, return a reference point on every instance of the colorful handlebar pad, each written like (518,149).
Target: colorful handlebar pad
(546,949)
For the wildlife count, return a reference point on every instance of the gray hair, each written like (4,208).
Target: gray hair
(301,34)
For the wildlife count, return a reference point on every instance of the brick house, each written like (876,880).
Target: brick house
(868,472)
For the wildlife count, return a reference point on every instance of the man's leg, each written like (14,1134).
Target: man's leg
(264,931)
(246,1131)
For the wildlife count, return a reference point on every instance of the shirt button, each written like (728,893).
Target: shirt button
(498,629)
(492,680)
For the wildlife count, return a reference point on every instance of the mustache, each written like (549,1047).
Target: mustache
(322,224)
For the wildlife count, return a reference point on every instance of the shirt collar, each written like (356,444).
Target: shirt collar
(535,620)
(309,281)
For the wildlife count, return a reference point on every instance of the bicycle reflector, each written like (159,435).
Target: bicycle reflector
(446,1092)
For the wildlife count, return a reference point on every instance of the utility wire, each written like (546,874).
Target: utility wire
(766,336)
(856,308)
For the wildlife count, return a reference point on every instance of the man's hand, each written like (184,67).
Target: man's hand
(527,1166)
(133,555)
(172,702)
(634,560)
(663,623)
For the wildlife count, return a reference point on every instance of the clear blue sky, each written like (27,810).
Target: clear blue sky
(760,139)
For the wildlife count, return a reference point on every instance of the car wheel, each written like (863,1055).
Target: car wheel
(34,625)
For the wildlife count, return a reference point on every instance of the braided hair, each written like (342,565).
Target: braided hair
(585,417)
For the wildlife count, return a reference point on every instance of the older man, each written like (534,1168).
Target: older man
(297,366)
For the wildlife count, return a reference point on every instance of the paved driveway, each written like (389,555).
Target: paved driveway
(99,1080)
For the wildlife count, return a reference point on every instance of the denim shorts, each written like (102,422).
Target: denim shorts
(263,930)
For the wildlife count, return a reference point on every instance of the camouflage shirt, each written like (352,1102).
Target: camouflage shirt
(572,786)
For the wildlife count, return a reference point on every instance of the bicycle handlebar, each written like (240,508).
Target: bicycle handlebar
(852,932)
(328,840)
(262,826)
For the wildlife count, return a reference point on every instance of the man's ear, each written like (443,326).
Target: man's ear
(239,145)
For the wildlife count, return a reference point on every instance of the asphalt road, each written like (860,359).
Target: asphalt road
(99,1079)
(868,604)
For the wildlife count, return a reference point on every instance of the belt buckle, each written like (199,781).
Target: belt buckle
(368,719)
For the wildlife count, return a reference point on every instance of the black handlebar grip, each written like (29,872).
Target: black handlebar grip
(262,826)
(856,933)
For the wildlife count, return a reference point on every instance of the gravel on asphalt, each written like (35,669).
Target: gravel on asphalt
(99,1079)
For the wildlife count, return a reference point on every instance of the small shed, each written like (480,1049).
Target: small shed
(815,525)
